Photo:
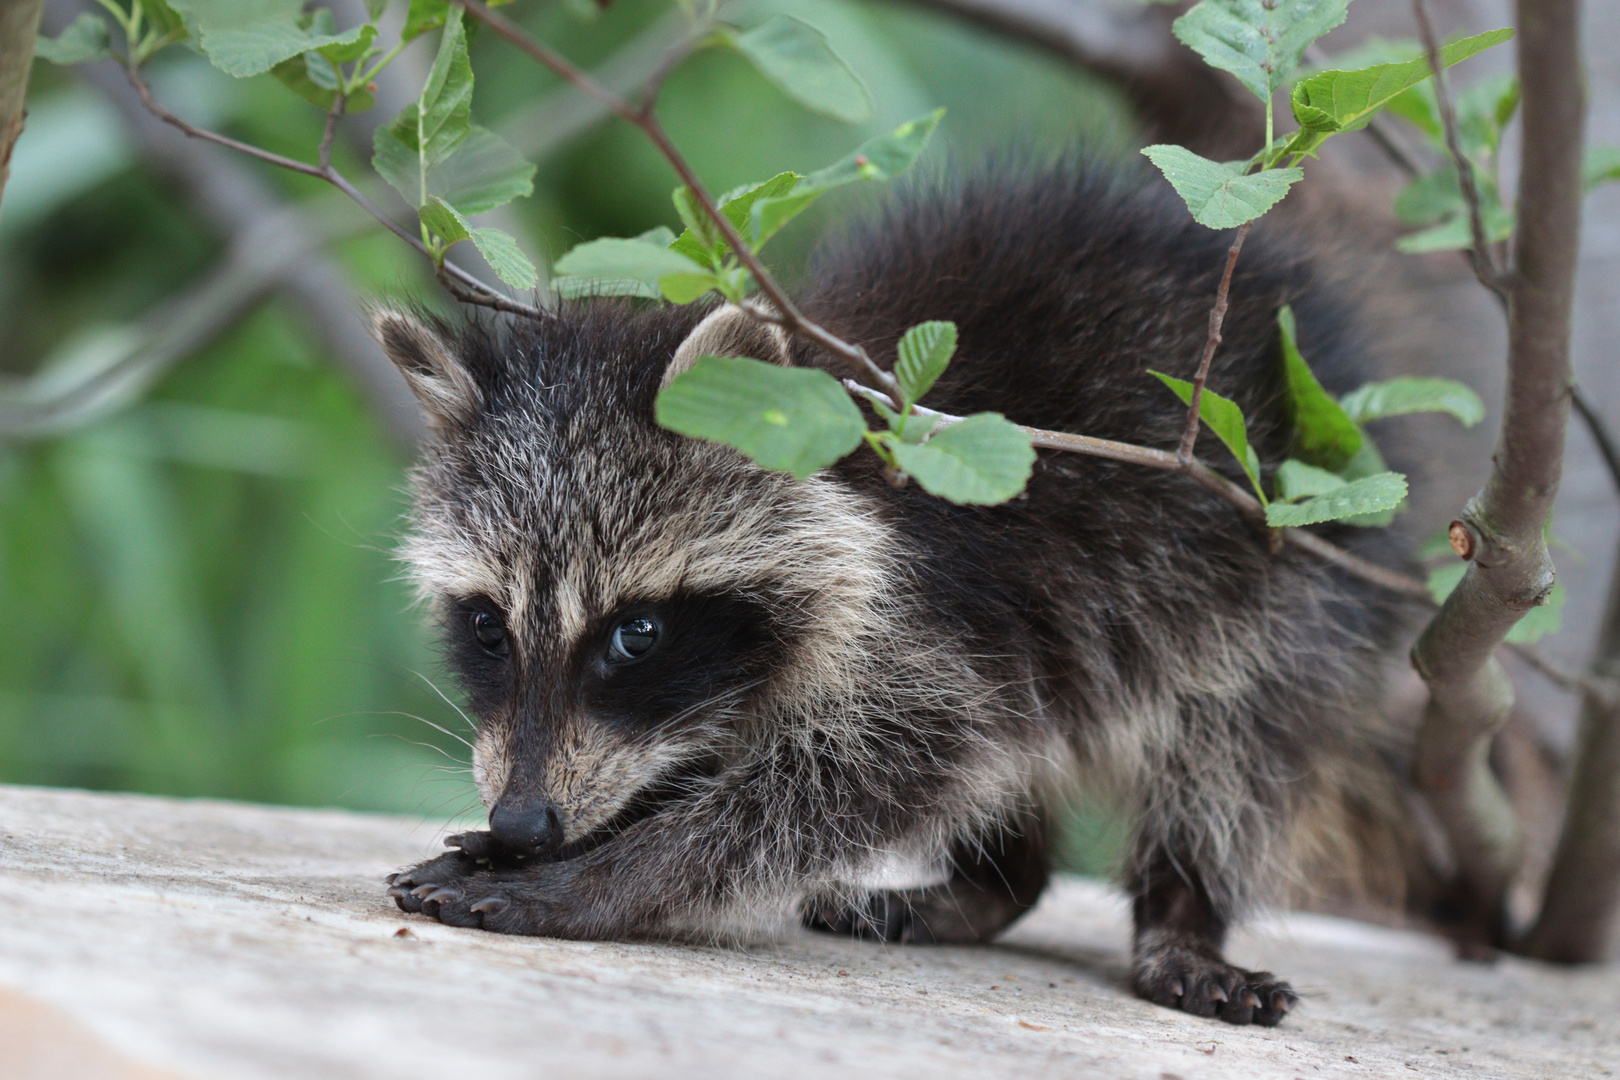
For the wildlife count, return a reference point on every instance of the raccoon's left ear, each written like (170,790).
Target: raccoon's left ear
(728,330)
(449,394)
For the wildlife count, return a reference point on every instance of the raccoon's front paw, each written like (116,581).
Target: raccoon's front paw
(1195,979)
(459,889)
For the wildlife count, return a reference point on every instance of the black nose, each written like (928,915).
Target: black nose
(527,827)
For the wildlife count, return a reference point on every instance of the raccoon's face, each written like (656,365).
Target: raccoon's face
(627,610)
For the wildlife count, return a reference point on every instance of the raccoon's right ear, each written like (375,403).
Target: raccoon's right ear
(449,395)
(728,330)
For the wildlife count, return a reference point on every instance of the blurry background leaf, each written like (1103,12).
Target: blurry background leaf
(1323,434)
(87,38)
(1411,394)
(610,260)
(881,158)
(246,37)
(1536,624)
(797,58)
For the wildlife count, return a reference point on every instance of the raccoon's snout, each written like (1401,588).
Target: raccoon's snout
(527,827)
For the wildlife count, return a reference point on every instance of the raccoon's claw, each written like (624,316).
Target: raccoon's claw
(1196,981)
(459,890)
(477,845)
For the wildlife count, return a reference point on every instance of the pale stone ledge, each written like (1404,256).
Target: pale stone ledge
(158,939)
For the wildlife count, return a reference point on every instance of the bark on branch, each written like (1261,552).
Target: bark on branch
(1510,570)
(19,24)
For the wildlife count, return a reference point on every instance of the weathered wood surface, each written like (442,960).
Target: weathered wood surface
(158,938)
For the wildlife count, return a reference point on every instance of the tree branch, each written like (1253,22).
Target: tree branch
(1510,570)
(1479,255)
(473,290)
(1217,316)
(19,25)
(1600,435)
(1583,889)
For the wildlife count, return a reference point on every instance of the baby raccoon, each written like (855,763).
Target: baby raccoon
(711,696)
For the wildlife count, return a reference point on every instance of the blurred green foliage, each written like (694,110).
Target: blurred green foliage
(198,594)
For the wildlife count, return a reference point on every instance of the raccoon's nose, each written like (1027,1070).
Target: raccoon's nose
(527,827)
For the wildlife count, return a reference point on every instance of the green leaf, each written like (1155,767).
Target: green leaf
(1334,101)
(1408,394)
(343,52)
(1369,495)
(683,288)
(702,241)
(162,17)
(924,351)
(620,267)
(86,38)
(1323,434)
(789,419)
(1430,198)
(1259,41)
(443,221)
(433,148)
(499,249)
(1456,233)
(1219,195)
(311,77)
(881,158)
(1296,480)
(484,172)
(425,15)
(1223,417)
(984,459)
(797,58)
(247,37)
(1602,166)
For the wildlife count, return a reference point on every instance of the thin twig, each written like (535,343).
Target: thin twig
(1600,432)
(1165,461)
(1217,315)
(215,137)
(340,101)
(474,291)
(1603,691)
(1480,256)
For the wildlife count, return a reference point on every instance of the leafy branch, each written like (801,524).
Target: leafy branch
(333,70)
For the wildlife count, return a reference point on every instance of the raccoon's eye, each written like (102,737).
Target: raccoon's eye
(490,632)
(633,639)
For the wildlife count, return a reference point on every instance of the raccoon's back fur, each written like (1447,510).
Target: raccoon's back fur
(709,695)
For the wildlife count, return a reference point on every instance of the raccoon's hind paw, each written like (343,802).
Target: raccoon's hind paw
(1198,981)
(881,916)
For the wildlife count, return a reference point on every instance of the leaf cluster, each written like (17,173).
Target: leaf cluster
(1334,471)
(1261,43)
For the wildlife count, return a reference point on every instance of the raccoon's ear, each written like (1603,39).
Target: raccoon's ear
(728,330)
(449,395)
